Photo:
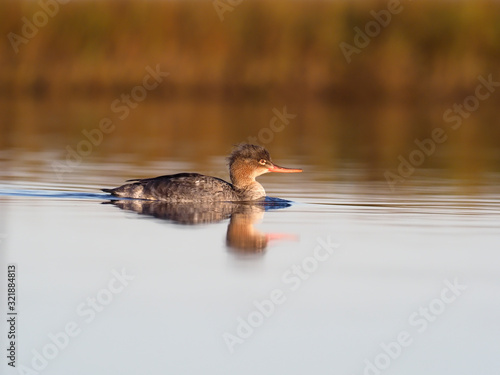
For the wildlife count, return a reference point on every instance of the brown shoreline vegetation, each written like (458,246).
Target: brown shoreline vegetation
(429,51)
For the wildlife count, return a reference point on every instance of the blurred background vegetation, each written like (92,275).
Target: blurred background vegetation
(227,76)
(430,50)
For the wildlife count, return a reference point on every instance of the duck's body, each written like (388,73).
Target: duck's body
(245,164)
(181,187)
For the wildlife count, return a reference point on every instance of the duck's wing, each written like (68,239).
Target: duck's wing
(181,187)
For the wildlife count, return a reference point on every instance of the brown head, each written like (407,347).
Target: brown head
(246,162)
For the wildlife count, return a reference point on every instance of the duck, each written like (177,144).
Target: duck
(246,162)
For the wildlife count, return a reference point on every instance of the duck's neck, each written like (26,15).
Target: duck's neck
(245,185)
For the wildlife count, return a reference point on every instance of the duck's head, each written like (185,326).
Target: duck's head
(246,162)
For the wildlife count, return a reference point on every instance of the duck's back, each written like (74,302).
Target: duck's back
(181,187)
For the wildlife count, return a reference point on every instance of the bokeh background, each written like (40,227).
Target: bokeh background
(227,73)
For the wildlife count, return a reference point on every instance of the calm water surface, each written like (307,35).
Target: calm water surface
(320,286)
(349,278)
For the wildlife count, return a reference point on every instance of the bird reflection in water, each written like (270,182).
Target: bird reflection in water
(242,237)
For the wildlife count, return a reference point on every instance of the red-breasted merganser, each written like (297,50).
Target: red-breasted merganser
(246,162)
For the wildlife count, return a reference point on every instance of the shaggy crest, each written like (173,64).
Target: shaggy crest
(247,151)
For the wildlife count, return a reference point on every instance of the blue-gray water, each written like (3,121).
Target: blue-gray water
(352,278)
